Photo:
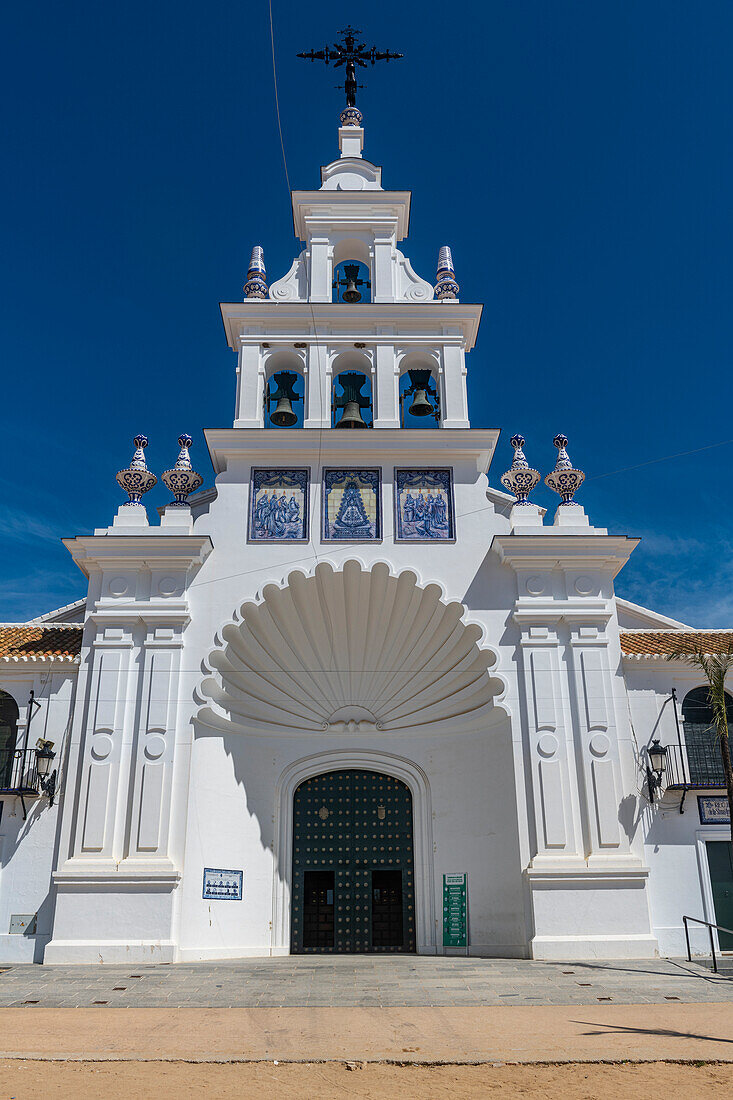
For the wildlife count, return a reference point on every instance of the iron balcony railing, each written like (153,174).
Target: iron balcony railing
(694,766)
(18,771)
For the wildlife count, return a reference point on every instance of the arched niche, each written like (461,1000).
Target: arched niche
(354,253)
(345,385)
(354,248)
(284,379)
(419,389)
(352,284)
(8,736)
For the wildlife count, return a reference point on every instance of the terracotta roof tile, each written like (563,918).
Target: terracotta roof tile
(38,643)
(659,643)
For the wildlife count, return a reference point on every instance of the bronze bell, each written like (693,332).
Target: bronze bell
(283,416)
(351,294)
(352,417)
(420,386)
(352,400)
(420,405)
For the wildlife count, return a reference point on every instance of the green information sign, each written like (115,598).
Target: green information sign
(455,924)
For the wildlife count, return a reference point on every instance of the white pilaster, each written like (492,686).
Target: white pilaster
(155,747)
(318,388)
(384,271)
(386,386)
(320,250)
(559,839)
(587,886)
(119,810)
(454,399)
(250,387)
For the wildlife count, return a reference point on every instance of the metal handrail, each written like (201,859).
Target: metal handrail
(709,927)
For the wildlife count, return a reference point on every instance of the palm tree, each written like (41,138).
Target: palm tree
(715,667)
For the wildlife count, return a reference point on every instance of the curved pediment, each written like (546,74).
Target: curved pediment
(349,650)
(351,174)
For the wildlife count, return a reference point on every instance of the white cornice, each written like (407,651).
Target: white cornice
(659,621)
(547,550)
(433,322)
(386,446)
(92,551)
(350,209)
(49,618)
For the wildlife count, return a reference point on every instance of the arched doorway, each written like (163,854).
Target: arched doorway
(353,875)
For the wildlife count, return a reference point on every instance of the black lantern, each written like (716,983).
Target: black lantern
(657,755)
(44,758)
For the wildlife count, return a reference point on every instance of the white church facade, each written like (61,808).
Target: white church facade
(291,706)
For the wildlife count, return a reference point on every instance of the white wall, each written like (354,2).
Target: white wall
(679,880)
(28,847)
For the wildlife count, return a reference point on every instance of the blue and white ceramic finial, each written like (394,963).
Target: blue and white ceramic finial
(182,479)
(256,285)
(446,286)
(519,478)
(137,478)
(564,480)
(351,116)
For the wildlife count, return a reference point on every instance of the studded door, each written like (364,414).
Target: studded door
(353,882)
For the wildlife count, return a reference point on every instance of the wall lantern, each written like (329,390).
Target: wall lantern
(657,755)
(44,757)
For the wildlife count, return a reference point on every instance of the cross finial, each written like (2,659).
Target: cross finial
(350,52)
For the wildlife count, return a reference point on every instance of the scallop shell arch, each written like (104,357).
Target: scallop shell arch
(348,650)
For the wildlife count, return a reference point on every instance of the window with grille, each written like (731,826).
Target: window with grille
(703,751)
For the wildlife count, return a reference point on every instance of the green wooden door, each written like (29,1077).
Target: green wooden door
(720,862)
(353,883)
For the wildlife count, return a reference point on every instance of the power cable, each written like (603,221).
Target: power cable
(319,347)
(664,458)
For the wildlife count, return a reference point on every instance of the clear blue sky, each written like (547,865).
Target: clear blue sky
(577,157)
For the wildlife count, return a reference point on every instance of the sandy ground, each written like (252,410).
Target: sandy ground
(542,1033)
(28,1080)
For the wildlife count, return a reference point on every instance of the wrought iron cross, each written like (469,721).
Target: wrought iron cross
(350,53)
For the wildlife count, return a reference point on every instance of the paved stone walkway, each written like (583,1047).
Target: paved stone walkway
(365,982)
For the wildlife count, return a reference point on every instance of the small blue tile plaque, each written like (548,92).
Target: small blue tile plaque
(351,505)
(220,885)
(713,810)
(424,505)
(279,506)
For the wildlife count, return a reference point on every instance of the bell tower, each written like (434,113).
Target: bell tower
(351,305)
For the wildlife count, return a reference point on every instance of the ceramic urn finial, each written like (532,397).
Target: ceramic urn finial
(182,479)
(137,478)
(256,285)
(351,116)
(564,480)
(520,479)
(446,287)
